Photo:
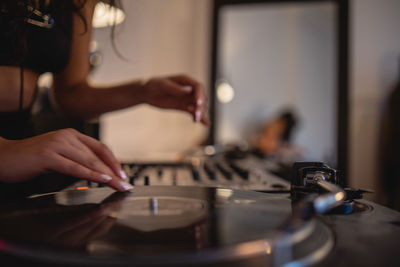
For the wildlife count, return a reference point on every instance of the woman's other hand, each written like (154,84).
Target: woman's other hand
(179,92)
(64,151)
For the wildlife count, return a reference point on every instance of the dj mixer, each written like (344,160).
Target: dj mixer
(235,169)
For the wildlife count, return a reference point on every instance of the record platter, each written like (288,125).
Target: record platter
(317,223)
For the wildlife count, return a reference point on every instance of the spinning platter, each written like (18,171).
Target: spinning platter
(159,226)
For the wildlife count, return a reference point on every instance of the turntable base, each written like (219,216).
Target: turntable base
(189,226)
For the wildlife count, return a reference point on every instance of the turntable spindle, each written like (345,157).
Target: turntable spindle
(153,203)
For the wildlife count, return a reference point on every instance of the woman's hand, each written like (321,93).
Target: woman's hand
(177,92)
(65,151)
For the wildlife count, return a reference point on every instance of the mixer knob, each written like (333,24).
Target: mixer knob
(225,171)
(243,173)
(195,174)
(160,172)
(132,180)
(210,170)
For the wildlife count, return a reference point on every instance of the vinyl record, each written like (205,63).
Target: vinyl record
(159,226)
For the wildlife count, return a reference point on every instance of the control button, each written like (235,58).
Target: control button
(132,180)
(160,172)
(225,171)
(210,171)
(139,170)
(195,174)
(243,173)
(278,186)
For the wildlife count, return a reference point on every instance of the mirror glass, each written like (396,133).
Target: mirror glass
(278,60)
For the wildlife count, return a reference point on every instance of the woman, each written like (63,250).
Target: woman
(54,35)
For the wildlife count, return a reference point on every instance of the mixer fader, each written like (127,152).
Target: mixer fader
(226,169)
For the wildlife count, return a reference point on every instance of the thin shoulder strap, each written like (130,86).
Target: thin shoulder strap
(21,90)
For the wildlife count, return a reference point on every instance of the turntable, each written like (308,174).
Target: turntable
(318,224)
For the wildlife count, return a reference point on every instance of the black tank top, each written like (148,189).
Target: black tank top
(44,50)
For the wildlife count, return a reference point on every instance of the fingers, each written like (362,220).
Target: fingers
(205,121)
(198,97)
(85,157)
(88,159)
(197,88)
(173,92)
(176,89)
(184,80)
(191,109)
(73,168)
(104,153)
(119,185)
(167,87)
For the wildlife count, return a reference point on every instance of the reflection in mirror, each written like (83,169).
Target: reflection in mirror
(276,78)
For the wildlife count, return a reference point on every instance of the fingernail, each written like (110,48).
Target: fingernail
(197,116)
(187,88)
(105,178)
(122,174)
(199,101)
(124,186)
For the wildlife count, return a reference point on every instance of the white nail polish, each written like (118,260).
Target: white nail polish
(125,186)
(187,88)
(199,101)
(105,178)
(197,116)
(122,174)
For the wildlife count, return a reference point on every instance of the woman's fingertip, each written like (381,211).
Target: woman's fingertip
(104,178)
(197,116)
(123,175)
(205,121)
(187,88)
(123,186)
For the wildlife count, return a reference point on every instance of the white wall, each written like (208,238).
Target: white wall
(158,38)
(277,56)
(375,53)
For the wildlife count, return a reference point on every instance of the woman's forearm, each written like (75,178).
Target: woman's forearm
(85,101)
(178,92)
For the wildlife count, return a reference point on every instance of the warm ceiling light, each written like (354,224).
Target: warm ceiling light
(225,92)
(106,15)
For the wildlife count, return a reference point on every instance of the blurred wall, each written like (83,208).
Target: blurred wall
(158,38)
(279,56)
(163,37)
(375,53)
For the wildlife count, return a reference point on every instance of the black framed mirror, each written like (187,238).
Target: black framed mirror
(271,56)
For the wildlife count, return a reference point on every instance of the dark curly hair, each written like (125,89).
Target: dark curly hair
(13,14)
